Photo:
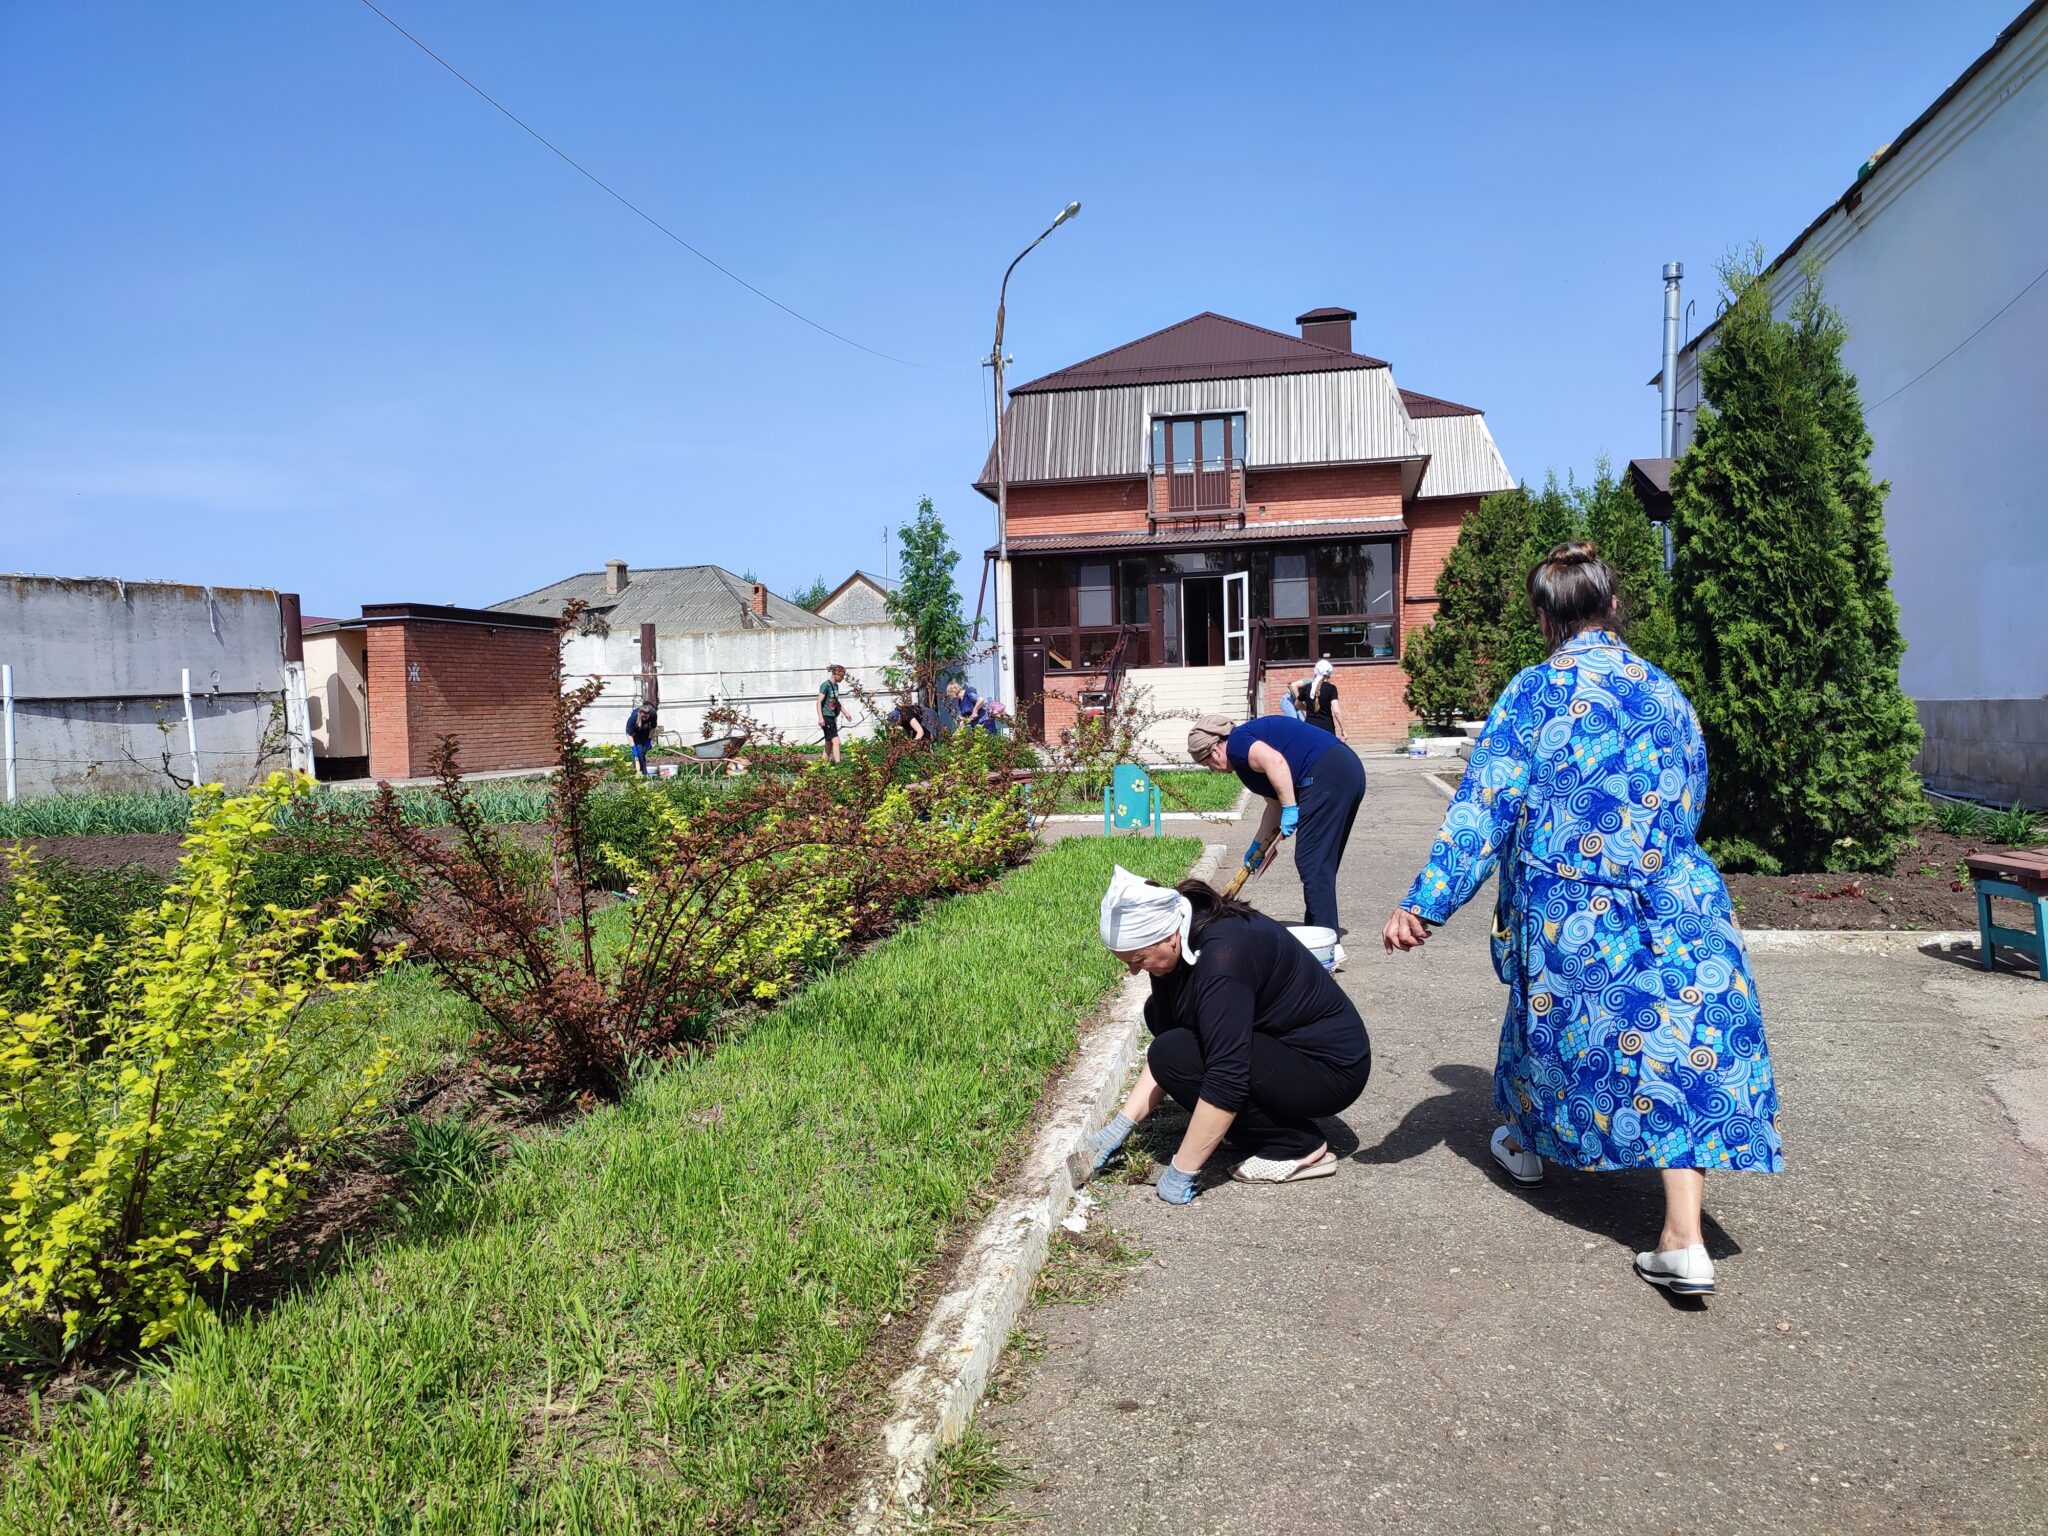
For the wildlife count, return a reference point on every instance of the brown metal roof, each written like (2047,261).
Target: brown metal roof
(1201,538)
(1327,312)
(1430,405)
(1650,479)
(1205,346)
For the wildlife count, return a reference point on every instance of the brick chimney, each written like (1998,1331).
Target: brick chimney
(1329,327)
(615,577)
(760,601)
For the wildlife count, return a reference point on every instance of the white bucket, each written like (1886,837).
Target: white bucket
(1321,942)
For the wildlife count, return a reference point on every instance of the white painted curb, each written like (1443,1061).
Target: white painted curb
(956,1354)
(1852,941)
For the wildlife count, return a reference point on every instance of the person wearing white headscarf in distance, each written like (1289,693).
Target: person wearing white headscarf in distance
(1249,1034)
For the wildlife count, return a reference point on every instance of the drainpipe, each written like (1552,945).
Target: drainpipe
(1674,272)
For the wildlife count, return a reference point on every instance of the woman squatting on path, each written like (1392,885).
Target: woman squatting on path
(1313,785)
(1633,1036)
(1249,1034)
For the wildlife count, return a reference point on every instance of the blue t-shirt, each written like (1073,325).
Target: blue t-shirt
(1296,740)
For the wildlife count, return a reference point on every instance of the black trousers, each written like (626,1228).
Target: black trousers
(1329,804)
(1289,1091)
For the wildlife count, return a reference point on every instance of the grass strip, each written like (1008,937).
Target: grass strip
(1181,789)
(650,1317)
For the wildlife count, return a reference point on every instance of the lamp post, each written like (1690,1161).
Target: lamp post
(1004,679)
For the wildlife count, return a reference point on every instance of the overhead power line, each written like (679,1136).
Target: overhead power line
(599,182)
(1952,351)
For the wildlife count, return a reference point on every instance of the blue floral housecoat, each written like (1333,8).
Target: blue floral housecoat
(1633,1035)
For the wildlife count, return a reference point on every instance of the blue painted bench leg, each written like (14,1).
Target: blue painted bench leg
(1984,927)
(2041,938)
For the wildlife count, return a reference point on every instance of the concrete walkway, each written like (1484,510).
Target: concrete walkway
(1414,1345)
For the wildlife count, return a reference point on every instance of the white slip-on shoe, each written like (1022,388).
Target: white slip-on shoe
(1284,1170)
(1524,1167)
(1682,1271)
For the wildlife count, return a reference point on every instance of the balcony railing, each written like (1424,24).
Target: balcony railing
(1204,488)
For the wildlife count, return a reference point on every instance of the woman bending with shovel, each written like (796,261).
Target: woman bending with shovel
(1249,1034)
(1313,785)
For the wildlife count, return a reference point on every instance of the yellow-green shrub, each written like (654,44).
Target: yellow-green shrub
(153,1129)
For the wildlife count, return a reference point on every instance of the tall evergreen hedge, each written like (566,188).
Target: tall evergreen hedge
(1484,632)
(1787,634)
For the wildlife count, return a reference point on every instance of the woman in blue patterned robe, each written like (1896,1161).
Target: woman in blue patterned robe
(1633,1035)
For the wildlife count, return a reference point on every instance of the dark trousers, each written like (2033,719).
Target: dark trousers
(640,757)
(1329,804)
(1288,1091)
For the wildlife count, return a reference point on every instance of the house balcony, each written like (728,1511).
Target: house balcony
(1190,493)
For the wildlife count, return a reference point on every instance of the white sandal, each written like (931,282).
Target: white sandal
(1284,1170)
(1524,1167)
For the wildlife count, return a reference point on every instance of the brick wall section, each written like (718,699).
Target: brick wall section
(1368,697)
(1432,529)
(1100,506)
(1119,506)
(1344,492)
(491,689)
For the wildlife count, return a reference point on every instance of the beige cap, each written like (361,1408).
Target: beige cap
(1208,734)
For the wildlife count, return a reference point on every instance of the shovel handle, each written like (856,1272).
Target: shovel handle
(1245,871)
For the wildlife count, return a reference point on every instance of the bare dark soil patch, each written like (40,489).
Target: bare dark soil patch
(1926,889)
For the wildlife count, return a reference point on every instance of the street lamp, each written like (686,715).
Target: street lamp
(996,361)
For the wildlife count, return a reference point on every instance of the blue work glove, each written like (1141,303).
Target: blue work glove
(1251,855)
(1108,1141)
(1175,1187)
(1290,818)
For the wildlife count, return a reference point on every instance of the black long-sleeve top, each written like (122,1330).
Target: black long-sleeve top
(1254,975)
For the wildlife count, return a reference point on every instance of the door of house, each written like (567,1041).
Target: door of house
(1201,608)
(1237,591)
(1029,705)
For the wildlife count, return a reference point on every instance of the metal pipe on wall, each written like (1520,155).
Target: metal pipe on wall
(7,702)
(191,730)
(1674,273)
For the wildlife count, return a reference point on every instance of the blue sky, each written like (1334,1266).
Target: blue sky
(283,304)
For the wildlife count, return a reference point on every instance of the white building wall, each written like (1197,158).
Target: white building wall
(1949,232)
(97,676)
(770,674)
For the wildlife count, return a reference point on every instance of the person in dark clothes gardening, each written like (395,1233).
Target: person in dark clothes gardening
(1249,1034)
(1315,700)
(829,706)
(1313,785)
(641,725)
(909,718)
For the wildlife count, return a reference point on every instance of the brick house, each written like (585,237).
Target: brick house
(485,678)
(1226,504)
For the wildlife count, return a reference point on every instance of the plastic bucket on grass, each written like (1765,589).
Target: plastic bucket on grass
(1320,942)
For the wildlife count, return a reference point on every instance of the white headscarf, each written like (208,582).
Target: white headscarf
(1323,667)
(1136,913)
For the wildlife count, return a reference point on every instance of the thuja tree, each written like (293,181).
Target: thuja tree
(925,602)
(1787,633)
(1613,518)
(1484,632)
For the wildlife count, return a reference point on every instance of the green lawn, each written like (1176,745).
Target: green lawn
(649,1320)
(1180,789)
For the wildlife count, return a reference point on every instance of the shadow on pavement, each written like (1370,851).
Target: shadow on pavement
(1626,1208)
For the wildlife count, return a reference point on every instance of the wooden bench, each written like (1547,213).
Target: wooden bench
(2019,877)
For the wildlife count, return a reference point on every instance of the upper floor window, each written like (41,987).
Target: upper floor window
(1185,444)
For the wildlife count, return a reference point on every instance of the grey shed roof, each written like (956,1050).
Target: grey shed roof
(675,599)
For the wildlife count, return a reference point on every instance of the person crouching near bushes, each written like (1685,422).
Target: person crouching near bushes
(1249,1034)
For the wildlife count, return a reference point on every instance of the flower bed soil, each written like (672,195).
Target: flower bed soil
(1925,890)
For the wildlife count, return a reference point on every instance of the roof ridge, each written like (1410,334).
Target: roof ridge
(1295,348)
(1452,407)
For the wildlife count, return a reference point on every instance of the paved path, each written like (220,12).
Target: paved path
(1414,1345)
